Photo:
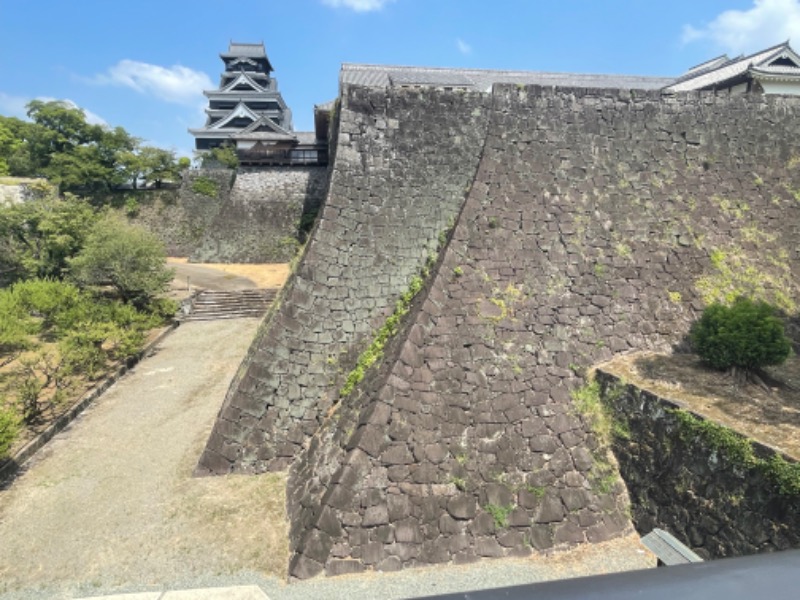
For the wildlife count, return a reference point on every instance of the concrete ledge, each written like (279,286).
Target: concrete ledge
(10,466)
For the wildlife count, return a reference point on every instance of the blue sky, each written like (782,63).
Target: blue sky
(142,64)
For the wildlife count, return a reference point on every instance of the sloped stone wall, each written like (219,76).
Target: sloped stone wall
(598,222)
(701,494)
(404,162)
(261,220)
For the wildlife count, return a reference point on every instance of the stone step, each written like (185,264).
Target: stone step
(211,305)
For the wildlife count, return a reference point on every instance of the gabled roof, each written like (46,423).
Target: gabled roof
(264,129)
(240,110)
(716,72)
(483,79)
(243,77)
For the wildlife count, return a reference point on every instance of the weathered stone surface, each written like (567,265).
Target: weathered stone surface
(551,510)
(565,252)
(374,203)
(462,507)
(343,567)
(258,223)
(706,498)
(302,567)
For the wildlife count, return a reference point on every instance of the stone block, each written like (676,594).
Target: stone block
(462,507)
(376,515)
(343,567)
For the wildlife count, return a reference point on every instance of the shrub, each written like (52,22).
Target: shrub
(131,206)
(9,429)
(746,335)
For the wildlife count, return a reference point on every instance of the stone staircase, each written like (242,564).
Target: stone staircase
(211,305)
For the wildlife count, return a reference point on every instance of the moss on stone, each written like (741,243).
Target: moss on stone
(739,450)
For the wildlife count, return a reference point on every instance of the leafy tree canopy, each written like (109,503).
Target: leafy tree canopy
(125,257)
(39,236)
(61,145)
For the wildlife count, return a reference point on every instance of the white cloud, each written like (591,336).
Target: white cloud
(463,46)
(767,23)
(14,106)
(358,5)
(92,118)
(176,84)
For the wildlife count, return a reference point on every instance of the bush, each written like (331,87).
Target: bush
(9,429)
(746,335)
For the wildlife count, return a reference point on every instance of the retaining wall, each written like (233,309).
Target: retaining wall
(705,495)
(403,165)
(596,222)
(261,220)
(180,218)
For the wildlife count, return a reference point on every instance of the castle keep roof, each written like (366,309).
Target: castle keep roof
(247,106)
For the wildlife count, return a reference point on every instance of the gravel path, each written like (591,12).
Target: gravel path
(110,502)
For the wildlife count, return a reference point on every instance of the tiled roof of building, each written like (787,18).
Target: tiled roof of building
(264,129)
(248,50)
(716,72)
(484,79)
(777,70)
(305,137)
(245,50)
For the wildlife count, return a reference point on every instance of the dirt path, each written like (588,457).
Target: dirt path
(111,499)
(216,276)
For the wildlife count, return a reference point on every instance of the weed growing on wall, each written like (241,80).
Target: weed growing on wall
(499,514)
(205,187)
(736,274)
(392,325)
(739,451)
(389,329)
(588,402)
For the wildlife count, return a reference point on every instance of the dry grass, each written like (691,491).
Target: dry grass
(772,418)
(262,275)
(241,517)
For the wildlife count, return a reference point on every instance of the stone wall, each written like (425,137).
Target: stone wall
(403,164)
(704,495)
(262,218)
(594,225)
(180,218)
(14,193)
(596,222)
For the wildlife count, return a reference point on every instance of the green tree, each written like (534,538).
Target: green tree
(225,155)
(10,144)
(747,335)
(66,124)
(125,257)
(158,165)
(38,237)
(15,146)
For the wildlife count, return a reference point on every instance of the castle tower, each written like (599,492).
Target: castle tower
(247,101)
